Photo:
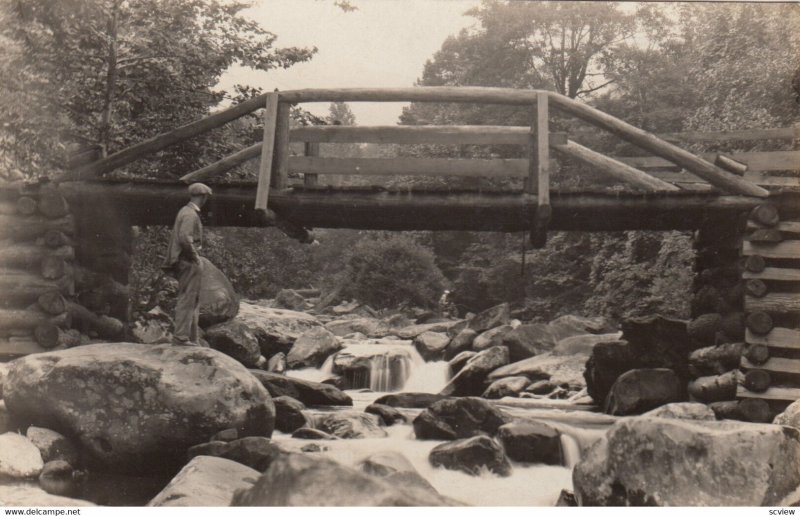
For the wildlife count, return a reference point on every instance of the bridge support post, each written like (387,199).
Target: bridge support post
(267,151)
(539,170)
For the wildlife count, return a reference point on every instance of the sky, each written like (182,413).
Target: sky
(384,43)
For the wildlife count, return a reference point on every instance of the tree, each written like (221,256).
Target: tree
(341,114)
(106,73)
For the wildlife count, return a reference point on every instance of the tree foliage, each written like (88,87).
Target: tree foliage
(106,73)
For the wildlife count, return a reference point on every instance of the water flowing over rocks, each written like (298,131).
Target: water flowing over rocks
(277,363)
(312,348)
(136,406)
(640,390)
(671,462)
(409,399)
(309,393)
(276,329)
(388,415)
(53,446)
(205,482)
(317,481)
(235,340)
(313,434)
(431,345)
(351,425)
(531,441)
(456,418)
(470,379)
(19,457)
(472,455)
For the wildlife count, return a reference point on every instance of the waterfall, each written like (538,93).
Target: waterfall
(571,450)
(381,365)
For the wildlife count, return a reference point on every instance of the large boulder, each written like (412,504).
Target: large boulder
(683,410)
(472,456)
(235,340)
(254,452)
(457,418)
(351,425)
(431,345)
(491,318)
(790,416)
(288,414)
(607,362)
(531,441)
(218,300)
(27,495)
(511,386)
(489,338)
(460,343)
(470,379)
(394,468)
(309,393)
(572,325)
(409,399)
(53,446)
(458,362)
(19,457)
(312,348)
(528,340)
(583,344)
(205,482)
(369,326)
(388,415)
(671,462)
(640,390)
(559,370)
(289,299)
(302,480)
(411,332)
(276,329)
(136,406)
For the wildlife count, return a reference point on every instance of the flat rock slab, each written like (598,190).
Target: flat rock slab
(26,495)
(558,369)
(138,407)
(672,462)
(276,329)
(206,482)
(19,457)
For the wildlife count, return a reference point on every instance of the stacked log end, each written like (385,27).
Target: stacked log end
(770,365)
(38,288)
(718,325)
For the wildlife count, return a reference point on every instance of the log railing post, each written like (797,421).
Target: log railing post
(311,150)
(267,151)
(542,172)
(280,157)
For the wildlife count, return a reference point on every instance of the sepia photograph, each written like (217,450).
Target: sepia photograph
(399,253)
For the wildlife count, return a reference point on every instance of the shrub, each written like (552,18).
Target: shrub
(385,271)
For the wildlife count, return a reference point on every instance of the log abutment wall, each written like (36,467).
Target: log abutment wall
(62,276)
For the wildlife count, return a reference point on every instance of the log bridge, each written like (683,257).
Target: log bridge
(672,189)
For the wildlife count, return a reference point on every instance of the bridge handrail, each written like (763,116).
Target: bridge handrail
(708,171)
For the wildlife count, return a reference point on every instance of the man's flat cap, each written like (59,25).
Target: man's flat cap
(199,189)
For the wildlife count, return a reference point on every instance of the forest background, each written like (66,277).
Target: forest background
(92,76)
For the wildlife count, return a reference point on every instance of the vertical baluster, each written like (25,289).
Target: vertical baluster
(265,167)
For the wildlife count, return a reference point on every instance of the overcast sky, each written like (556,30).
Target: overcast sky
(385,43)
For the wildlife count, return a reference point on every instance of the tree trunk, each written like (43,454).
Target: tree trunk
(52,303)
(111,80)
(757,380)
(29,319)
(29,256)
(26,206)
(52,203)
(20,289)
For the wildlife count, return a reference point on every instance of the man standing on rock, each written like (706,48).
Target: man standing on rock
(183,262)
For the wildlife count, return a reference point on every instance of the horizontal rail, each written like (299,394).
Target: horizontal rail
(756,161)
(413,134)
(487,168)
(780,133)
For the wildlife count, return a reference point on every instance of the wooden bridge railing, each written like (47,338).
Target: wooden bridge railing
(276,161)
